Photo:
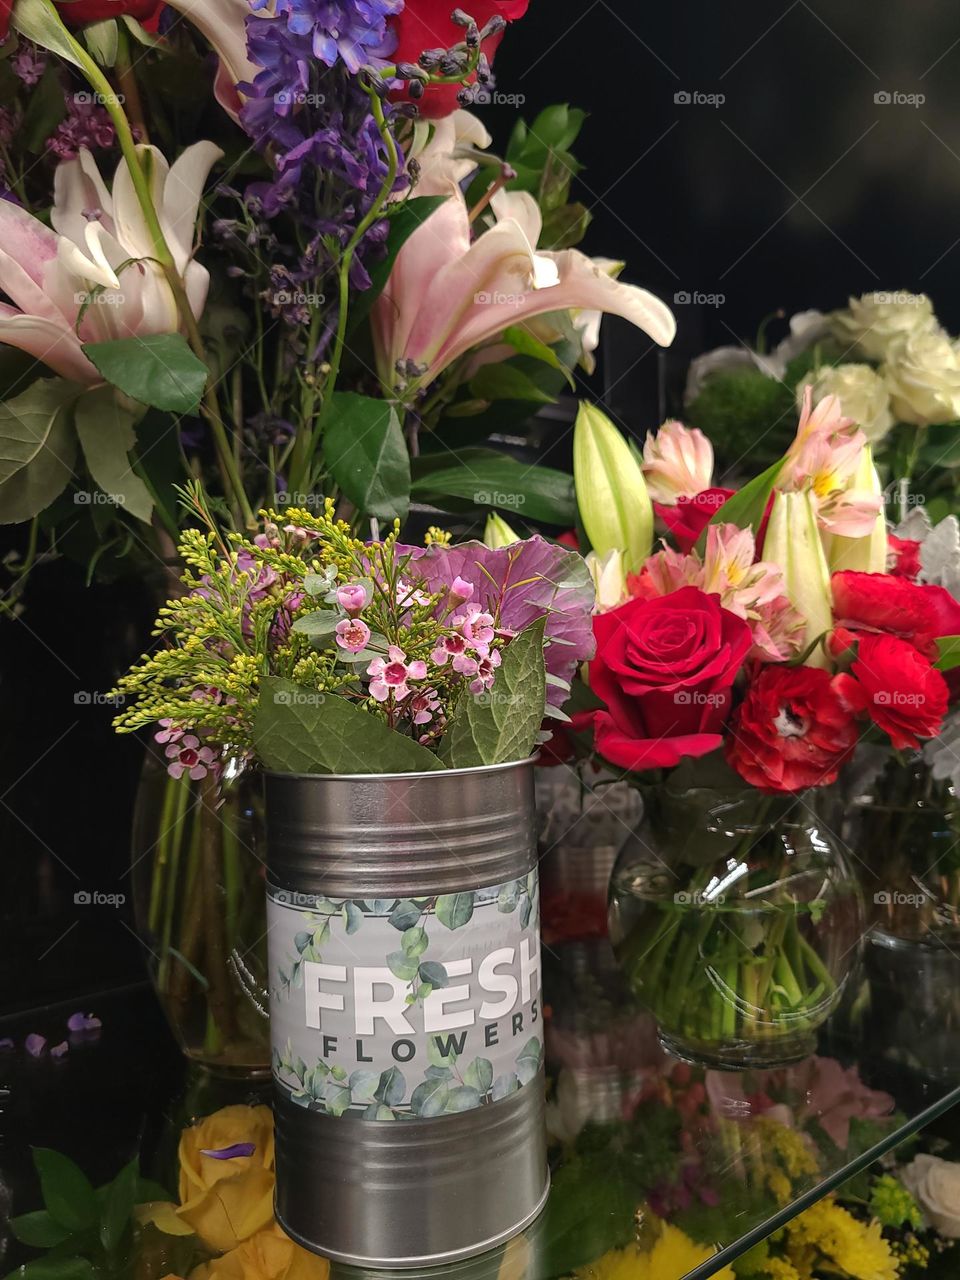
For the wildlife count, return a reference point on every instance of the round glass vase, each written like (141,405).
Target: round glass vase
(736,921)
(199,902)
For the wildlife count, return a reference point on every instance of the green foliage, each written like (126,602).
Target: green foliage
(745,413)
(545,167)
(367,454)
(495,480)
(158,370)
(37,448)
(107,437)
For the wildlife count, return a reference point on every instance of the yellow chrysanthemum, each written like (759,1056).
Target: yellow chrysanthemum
(857,1248)
(673,1254)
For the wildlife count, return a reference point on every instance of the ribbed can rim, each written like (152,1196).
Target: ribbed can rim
(404,777)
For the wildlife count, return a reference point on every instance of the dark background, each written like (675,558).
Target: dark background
(795,191)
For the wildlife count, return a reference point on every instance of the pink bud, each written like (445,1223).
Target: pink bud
(461,591)
(352,597)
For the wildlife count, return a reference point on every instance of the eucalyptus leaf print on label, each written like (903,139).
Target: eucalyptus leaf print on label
(406,1008)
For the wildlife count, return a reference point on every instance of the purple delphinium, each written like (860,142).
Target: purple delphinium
(518,585)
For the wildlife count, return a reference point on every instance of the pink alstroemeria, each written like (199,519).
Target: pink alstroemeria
(391,674)
(449,293)
(677,463)
(98,260)
(824,461)
(752,589)
(352,634)
(188,757)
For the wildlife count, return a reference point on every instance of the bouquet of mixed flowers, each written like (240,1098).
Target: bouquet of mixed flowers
(307,269)
(738,668)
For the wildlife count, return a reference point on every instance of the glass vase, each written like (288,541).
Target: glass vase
(736,920)
(199,897)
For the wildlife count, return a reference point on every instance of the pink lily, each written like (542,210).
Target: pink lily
(449,293)
(97,259)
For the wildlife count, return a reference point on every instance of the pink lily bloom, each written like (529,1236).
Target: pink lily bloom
(52,275)
(449,293)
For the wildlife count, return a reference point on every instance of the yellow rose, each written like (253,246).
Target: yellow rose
(268,1255)
(227,1200)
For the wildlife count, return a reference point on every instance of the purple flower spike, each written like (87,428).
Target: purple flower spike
(230,1153)
(83,1022)
(34,1044)
(59,1050)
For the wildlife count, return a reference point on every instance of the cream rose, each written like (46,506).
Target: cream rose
(875,320)
(922,374)
(935,1185)
(862,394)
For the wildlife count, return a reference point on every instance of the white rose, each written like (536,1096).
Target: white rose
(922,374)
(935,1185)
(862,393)
(877,319)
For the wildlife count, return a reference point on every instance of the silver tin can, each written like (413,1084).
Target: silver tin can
(406,1016)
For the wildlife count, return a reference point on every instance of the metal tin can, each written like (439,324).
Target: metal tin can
(406,1017)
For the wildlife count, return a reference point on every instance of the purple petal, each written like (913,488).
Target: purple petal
(59,1050)
(83,1022)
(34,1044)
(6,1044)
(230,1153)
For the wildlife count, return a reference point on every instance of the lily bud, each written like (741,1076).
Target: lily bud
(498,533)
(869,553)
(609,580)
(793,543)
(612,495)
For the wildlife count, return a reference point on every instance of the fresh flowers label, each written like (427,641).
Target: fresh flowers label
(411,1007)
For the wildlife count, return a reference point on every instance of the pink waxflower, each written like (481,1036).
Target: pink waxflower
(390,674)
(168,732)
(486,672)
(677,463)
(451,646)
(477,626)
(422,705)
(188,757)
(460,591)
(352,634)
(352,597)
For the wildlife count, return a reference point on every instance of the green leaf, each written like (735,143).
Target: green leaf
(502,724)
(537,493)
(37,20)
(402,966)
(159,370)
(363,1085)
(118,1207)
(528,1060)
(745,509)
(37,448)
(321,623)
(38,1229)
(528,344)
(57,1269)
(66,1190)
(107,436)
(45,109)
(414,941)
(505,382)
(432,1091)
(462,1098)
(503,1086)
(405,219)
(479,1074)
(336,1097)
(948,653)
(433,973)
(352,917)
(367,454)
(102,41)
(454,910)
(405,915)
(392,1087)
(296,730)
(148,1191)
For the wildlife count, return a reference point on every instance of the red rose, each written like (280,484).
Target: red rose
(880,602)
(898,689)
(664,668)
(792,730)
(77,13)
(687,520)
(6,6)
(903,557)
(426,24)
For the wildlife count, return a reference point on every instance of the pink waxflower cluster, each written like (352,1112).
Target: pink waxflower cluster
(467,647)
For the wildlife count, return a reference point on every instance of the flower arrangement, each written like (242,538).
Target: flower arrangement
(299,277)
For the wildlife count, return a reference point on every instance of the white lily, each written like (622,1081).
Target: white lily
(92,278)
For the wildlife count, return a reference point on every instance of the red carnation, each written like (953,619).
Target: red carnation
(792,730)
(898,689)
(688,518)
(882,603)
(903,557)
(426,24)
(665,668)
(77,13)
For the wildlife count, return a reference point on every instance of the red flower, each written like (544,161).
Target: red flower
(792,730)
(665,667)
(880,602)
(6,7)
(426,24)
(687,520)
(898,689)
(77,13)
(903,557)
